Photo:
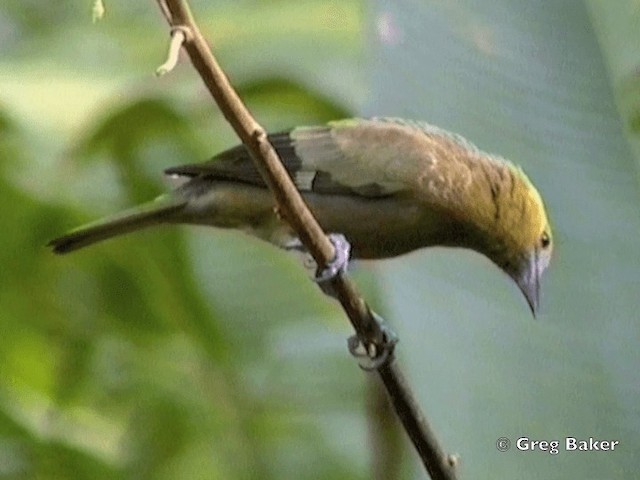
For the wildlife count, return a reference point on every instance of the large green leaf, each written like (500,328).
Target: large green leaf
(526,80)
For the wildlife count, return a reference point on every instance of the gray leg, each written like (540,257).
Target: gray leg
(334,268)
(374,355)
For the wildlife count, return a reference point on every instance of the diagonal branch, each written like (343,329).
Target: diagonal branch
(293,209)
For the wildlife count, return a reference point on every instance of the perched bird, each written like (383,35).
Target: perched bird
(389,185)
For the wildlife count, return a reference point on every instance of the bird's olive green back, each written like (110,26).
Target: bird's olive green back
(379,157)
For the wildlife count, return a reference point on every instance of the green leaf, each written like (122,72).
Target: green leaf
(529,81)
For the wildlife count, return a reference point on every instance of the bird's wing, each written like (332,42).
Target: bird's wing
(342,158)
(236,165)
(369,158)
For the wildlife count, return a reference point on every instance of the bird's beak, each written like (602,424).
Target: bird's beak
(528,280)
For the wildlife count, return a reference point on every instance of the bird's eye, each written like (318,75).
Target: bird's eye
(545,241)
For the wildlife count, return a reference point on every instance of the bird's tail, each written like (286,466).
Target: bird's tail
(152,213)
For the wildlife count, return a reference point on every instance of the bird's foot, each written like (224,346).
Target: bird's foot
(335,267)
(373,355)
(340,261)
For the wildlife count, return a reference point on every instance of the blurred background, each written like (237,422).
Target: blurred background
(189,352)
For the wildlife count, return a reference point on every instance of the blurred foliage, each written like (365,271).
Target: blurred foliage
(197,353)
(619,36)
(168,354)
(532,81)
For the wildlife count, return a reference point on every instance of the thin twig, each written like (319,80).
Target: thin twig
(178,36)
(165,11)
(293,209)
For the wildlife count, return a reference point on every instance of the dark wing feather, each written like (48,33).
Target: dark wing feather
(236,165)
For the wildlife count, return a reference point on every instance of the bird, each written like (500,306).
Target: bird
(389,185)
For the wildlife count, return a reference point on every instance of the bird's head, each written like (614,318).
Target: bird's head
(526,265)
(523,241)
(489,206)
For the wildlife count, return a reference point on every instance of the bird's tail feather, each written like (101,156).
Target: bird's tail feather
(152,213)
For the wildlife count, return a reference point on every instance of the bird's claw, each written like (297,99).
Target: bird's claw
(335,267)
(340,262)
(372,356)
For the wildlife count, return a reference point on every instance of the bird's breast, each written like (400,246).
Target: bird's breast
(380,227)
